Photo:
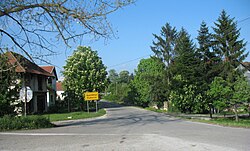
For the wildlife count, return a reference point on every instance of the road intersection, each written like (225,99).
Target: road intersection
(128,128)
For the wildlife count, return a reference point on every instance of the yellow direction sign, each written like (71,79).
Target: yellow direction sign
(89,96)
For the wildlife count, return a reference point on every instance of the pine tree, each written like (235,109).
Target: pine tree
(209,60)
(185,67)
(186,61)
(228,45)
(204,39)
(231,50)
(164,49)
(164,46)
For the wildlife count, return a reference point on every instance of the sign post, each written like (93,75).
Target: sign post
(91,96)
(26,94)
(88,106)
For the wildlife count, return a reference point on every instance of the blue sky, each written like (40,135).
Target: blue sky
(136,24)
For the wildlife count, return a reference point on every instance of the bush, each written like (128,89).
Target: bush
(30,122)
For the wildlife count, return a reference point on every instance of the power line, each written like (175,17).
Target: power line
(129,61)
(244,20)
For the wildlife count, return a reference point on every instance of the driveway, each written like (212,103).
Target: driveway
(129,128)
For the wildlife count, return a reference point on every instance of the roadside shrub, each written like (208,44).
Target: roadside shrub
(29,122)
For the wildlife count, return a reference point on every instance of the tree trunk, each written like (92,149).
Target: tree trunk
(236,113)
(210,110)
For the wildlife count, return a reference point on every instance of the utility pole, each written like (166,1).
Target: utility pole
(25,96)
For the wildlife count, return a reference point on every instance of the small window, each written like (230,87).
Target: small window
(40,83)
(50,81)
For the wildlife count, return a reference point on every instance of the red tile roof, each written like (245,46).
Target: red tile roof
(59,86)
(23,65)
(246,65)
(48,68)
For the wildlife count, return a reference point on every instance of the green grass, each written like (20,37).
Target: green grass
(73,115)
(43,121)
(17,123)
(243,122)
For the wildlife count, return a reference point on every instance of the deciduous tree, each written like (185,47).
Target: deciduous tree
(149,82)
(9,86)
(84,72)
(68,21)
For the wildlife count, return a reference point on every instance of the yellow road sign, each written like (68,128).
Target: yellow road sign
(89,96)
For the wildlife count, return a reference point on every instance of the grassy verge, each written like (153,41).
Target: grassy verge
(245,122)
(73,115)
(18,123)
(43,121)
(155,110)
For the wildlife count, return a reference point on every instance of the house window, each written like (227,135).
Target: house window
(40,83)
(50,81)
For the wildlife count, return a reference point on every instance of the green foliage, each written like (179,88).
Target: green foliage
(124,77)
(83,72)
(149,82)
(17,123)
(228,46)
(193,79)
(164,46)
(229,94)
(119,87)
(207,55)
(186,63)
(220,93)
(113,76)
(184,98)
(241,93)
(9,86)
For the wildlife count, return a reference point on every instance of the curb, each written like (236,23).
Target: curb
(65,122)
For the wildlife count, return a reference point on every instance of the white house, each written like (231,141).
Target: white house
(246,67)
(33,76)
(59,91)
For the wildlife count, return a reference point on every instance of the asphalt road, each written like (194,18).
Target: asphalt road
(129,128)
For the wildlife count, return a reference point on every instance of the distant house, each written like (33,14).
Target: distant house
(59,91)
(33,76)
(51,85)
(246,66)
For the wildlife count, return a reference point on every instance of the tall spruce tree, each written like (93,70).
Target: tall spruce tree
(164,46)
(164,49)
(231,49)
(204,39)
(228,45)
(185,67)
(208,62)
(186,61)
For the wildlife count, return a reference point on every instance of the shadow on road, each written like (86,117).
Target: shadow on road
(118,116)
(106,104)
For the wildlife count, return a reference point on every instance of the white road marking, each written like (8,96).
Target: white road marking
(72,134)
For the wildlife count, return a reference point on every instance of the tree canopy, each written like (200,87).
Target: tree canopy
(228,45)
(84,72)
(149,82)
(63,20)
